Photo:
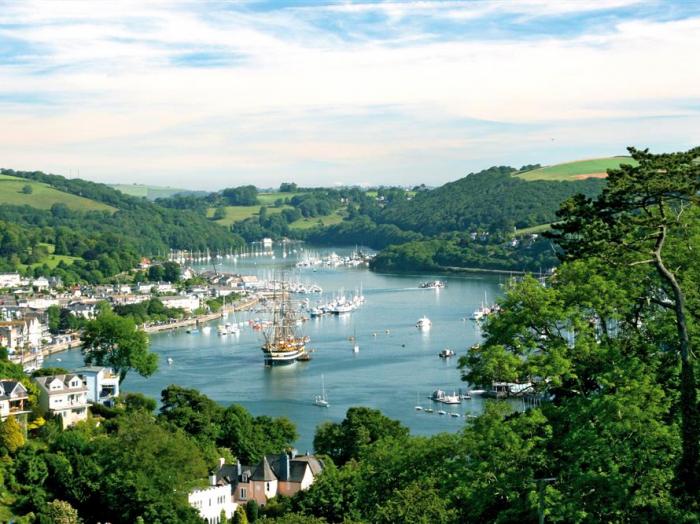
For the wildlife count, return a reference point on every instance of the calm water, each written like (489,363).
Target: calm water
(391,372)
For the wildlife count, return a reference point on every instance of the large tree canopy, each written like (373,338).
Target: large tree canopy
(111,340)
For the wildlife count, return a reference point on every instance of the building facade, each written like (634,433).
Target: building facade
(64,396)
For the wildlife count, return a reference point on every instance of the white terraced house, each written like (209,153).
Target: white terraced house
(64,396)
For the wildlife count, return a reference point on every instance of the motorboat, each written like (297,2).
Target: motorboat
(440,396)
(435,284)
(424,323)
(446,353)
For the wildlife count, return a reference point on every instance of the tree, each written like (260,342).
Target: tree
(59,512)
(11,436)
(647,215)
(239,517)
(139,401)
(27,189)
(171,272)
(222,517)
(219,213)
(360,428)
(111,340)
(54,314)
(252,510)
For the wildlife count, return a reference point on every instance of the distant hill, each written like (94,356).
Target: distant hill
(492,200)
(577,170)
(152,192)
(43,196)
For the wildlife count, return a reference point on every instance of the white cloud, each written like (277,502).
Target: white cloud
(120,101)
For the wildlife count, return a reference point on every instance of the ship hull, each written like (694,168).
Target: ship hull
(281,358)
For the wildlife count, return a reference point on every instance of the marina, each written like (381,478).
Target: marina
(394,362)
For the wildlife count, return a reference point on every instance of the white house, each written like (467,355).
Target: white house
(10,280)
(187,302)
(164,287)
(84,309)
(144,287)
(13,399)
(102,384)
(40,283)
(211,501)
(64,396)
(42,302)
(19,334)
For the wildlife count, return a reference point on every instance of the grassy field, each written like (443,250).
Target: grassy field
(150,192)
(240,213)
(43,196)
(268,199)
(52,260)
(575,170)
(534,229)
(308,223)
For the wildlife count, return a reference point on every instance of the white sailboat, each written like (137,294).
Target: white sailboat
(321,400)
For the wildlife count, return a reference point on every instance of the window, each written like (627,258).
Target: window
(267,486)
(244,493)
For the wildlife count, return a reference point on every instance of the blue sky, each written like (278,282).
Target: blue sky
(212,94)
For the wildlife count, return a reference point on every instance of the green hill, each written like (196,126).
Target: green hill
(577,170)
(491,200)
(149,192)
(43,196)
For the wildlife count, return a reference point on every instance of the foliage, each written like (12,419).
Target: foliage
(114,341)
(11,436)
(241,196)
(233,427)
(59,512)
(359,429)
(240,517)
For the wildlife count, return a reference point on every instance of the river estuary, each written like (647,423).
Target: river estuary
(396,367)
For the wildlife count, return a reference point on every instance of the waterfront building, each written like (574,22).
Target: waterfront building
(102,384)
(283,474)
(64,396)
(212,500)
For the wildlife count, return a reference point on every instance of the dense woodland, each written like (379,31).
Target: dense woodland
(104,243)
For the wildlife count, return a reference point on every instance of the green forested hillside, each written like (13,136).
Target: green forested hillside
(491,200)
(99,240)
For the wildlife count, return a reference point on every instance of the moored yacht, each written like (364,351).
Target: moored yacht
(424,323)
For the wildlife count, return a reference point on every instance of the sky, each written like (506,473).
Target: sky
(211,94)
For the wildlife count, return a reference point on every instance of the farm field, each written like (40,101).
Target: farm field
(149,192)
(43,196)
(240,213)
(577,170)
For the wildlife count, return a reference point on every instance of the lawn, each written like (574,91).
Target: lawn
(240,213)
(576,170)
(268,199)
(326,220)
(44,196)
(52,260)
(150,192)
(534,229)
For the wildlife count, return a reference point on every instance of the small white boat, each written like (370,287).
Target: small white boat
(435,284)
(446,353)
(440,396)
(170,361)
(206,330)
(428,410)
(476,391)
(418,407)
(424,323)
(442,412)
(454,415)
(222,330)
(321,400)
(355,346)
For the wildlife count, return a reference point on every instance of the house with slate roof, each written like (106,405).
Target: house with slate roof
(282,474)
(64,396)
(14,400)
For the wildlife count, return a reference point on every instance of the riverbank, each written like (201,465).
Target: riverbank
(200,319)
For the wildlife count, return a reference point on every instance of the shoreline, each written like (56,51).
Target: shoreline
(76,343)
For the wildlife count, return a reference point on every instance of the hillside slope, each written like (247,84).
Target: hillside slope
(491,200)
(577,170)
(43,196)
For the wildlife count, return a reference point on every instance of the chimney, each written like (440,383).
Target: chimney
(212,479)
(238,468)
(285,467)
(222,461)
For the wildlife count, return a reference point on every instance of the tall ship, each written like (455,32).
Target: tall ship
(283,342)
